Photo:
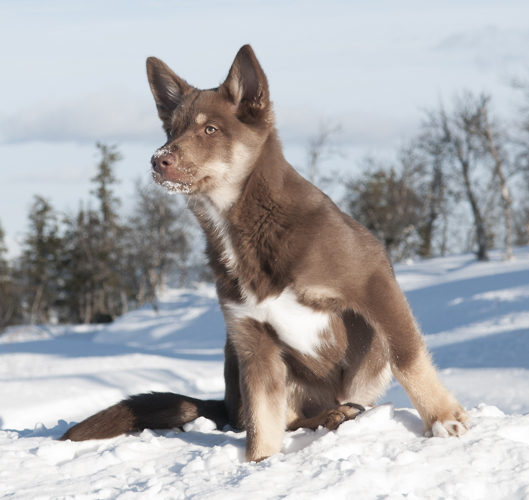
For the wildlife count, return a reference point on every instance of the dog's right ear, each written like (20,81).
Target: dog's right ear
(167,88)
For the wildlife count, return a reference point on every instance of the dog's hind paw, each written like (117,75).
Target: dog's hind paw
(448,428)
(347,411)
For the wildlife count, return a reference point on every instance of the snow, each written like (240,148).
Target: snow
(476,322)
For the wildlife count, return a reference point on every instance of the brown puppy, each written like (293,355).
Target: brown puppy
(314,316)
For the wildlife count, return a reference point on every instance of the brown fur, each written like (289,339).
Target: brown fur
(314,315)
(159,410)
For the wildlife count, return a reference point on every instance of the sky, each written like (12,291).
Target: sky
(73,73)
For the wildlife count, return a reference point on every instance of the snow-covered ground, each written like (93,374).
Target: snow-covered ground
(476,320)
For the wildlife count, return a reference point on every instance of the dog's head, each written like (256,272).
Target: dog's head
(213,136)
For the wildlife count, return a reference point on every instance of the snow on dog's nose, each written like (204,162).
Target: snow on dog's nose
(162,160)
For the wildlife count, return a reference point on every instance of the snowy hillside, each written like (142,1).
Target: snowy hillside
(476,320)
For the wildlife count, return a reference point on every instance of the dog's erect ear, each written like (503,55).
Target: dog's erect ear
(167,88)
(247,87)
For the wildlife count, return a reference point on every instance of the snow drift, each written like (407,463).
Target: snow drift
(476,320)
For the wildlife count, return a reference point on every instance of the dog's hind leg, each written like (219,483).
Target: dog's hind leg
(156,410)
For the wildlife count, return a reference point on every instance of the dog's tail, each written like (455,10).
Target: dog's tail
(156,410)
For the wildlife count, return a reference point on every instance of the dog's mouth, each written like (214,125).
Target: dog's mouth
(172,186)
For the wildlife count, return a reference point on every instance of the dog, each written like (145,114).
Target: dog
(316,322)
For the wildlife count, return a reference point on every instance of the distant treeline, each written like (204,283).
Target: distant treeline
(461,184)
(96,264)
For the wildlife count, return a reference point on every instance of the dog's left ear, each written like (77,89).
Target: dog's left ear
(247,87)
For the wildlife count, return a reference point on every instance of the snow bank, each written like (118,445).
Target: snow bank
(382,454)
(476,320)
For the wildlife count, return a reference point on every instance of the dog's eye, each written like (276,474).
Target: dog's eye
(210,130)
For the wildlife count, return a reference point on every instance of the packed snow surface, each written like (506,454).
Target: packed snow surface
(475,317)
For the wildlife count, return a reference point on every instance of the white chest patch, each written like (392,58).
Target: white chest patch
(297,325)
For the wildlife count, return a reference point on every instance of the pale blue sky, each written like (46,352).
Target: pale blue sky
(73,72)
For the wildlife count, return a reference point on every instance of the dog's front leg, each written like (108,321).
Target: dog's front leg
(262,374)
(411,365)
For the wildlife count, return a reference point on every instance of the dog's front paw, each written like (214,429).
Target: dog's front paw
(448,428)
(452,424)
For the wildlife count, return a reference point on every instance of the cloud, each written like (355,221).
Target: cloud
(359,127)
(489,47)
(112,116)
(102,116)
(58,175)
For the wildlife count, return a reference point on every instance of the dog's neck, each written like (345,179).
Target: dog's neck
(258,196)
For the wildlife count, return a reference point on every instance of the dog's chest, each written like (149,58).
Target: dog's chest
(297,325)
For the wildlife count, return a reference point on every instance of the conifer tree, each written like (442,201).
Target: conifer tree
(79,266)
(158,241)
(3,252)
(95,282)
(39,264)
(8,295)
(110,298)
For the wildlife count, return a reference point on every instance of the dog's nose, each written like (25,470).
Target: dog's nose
(161,161)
